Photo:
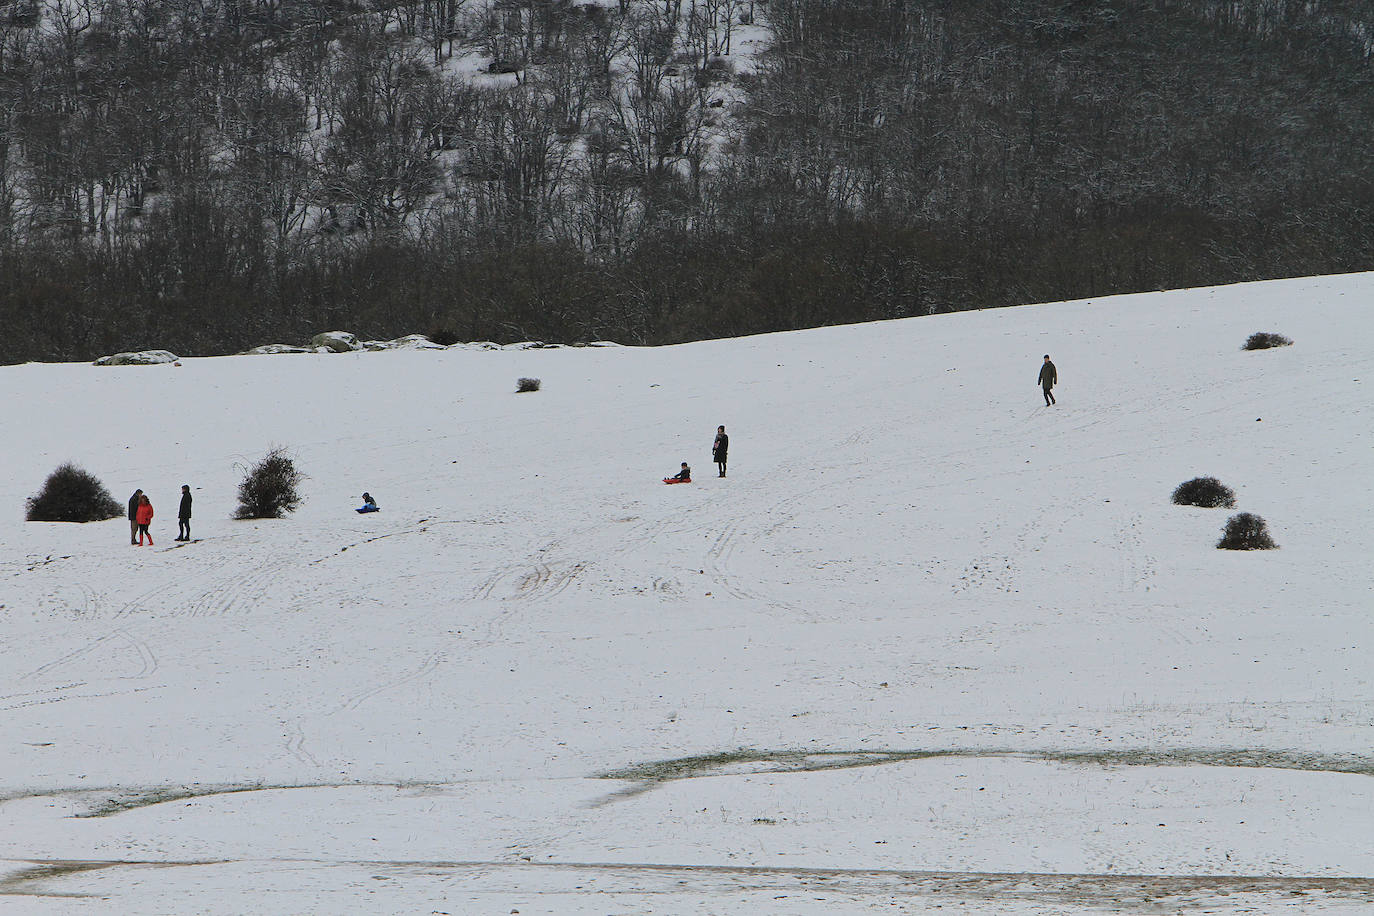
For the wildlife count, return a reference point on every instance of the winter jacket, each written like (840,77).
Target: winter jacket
(185,510)
(145,513)
(133,507)
(721,447)
(1048,376)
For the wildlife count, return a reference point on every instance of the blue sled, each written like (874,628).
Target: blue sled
(368,509)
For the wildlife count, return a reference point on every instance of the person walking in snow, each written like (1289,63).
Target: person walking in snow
(720,448)
(144,517)
(184,514)
(1047,379)
(133,516)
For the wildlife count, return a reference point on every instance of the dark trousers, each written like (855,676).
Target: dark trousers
(143,530)
(1049,396)
(183,529)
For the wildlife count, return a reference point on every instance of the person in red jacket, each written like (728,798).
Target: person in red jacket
(144,518)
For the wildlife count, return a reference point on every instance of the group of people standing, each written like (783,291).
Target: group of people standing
(141,516)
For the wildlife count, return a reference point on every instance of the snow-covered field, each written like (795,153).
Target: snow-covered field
(929,644)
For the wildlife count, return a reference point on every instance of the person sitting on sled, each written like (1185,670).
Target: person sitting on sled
(685,475)
(369,504)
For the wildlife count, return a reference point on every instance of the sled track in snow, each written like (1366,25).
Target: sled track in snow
(353,702)
(238,593)
(147,661)
(1138,568)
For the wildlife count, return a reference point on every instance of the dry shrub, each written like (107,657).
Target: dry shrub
(1246,531)
(71,494)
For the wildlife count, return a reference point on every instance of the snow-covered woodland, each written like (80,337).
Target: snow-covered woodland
(205,176)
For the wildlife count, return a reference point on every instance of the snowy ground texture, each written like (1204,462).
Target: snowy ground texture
(930,644)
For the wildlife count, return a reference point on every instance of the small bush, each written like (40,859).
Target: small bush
(1207,492)
(444,337)
(72,495)
(1264,341)
(1246,531)
(269,487)
(527,384)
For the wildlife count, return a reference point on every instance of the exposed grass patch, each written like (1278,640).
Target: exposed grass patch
(108,802)
(764,761)
(1222,757)
(116,800)
(760,761)
(157,795)
(104,802)
(14,885)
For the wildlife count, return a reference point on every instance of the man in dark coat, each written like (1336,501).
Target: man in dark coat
(1047,379)
(133,516)
(720,448)
(184,514)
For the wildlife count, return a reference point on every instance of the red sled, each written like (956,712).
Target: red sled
(676,480)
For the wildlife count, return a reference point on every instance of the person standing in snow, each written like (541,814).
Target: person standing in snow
(720,448)
(133,516)
(184,514)
(144,517)
(1048,377)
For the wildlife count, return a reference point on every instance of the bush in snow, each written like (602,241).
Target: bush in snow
(72,495)
(1246,531)
(444,336)
(1207,492)
(527,384)
(1264,340)
(269,488)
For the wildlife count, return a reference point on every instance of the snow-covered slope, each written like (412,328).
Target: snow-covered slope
(928,643)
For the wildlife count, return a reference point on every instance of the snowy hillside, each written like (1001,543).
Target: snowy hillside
(929,643)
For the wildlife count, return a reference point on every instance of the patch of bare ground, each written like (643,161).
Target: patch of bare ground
(751,760)
(1045,892)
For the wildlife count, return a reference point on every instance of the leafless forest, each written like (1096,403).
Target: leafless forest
(209,175)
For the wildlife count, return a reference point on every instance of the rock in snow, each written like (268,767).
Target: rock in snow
(139,358)
(272,349)
(336,342)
